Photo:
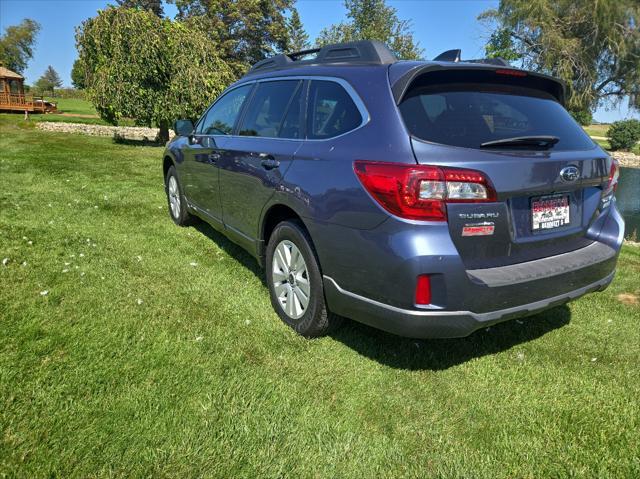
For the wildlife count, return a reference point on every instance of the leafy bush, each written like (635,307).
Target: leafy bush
(623,135)
(69,93)
(584,117)
(147,68)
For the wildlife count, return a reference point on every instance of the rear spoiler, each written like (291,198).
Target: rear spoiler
(552,85)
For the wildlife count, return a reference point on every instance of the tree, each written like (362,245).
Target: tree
(593,46)
(150,69)
(78,75)
(51,76)
(16,45)
(244,31)
(298,37)
(374,20)
(154,6)
(49,81)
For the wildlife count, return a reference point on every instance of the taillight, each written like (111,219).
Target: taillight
(614,174)
(420,192)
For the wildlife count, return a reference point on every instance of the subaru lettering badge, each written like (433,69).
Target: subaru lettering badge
(569,174)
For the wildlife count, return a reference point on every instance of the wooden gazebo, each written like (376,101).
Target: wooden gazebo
(13,97)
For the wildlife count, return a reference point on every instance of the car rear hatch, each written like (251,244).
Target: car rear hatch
(548,175)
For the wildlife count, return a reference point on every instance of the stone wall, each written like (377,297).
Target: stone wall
(125,132)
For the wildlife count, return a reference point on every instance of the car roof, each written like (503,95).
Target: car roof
(343,59)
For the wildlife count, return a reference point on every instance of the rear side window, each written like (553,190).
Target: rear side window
(222,116)
(274,110)
(331,111)
(469,115)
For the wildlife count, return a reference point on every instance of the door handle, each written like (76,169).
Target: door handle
(269,162)
(213,157)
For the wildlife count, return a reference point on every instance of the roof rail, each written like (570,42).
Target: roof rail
(368,52)
(456,54)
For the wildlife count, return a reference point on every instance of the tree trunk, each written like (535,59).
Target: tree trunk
(163,134)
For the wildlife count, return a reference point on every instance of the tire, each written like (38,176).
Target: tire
(175,200)
(289,280)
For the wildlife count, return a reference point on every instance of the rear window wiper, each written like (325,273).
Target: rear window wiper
(540,141)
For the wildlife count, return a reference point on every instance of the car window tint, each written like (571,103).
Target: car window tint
(222,116)
(266,111)
(469,115)
(332,112)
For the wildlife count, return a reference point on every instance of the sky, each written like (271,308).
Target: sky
(438,25)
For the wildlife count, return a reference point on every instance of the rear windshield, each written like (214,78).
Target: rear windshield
(468,115)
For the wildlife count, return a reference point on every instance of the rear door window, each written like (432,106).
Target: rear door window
(222,116)
(274,110)
(331,112)
(469,115)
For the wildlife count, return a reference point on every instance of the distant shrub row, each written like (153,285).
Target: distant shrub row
(68,93)
(58,92)
(624,135)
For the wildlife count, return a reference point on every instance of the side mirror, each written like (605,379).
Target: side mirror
(183,127)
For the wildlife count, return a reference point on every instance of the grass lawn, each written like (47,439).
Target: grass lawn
(155,352)
(76,110)
(74,106)
(596,130)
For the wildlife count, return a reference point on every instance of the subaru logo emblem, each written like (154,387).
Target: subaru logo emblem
(570,173)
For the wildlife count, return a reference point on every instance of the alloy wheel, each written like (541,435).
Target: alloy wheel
(174,197)
(290,279)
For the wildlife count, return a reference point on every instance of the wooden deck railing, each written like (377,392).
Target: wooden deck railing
(21,102)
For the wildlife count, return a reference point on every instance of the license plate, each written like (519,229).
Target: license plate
(549,212)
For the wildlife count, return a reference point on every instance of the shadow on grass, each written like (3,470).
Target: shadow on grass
(416,354)
(439,354)
(121,140)
(236,252)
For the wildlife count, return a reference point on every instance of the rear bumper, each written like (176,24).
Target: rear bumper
(438,324)
(370,277)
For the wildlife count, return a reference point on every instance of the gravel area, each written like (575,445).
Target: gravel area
(124,132)
(627,159)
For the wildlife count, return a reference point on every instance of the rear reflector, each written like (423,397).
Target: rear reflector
(423,290)
(420,192)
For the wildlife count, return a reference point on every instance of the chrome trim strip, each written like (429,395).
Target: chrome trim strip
(530,307)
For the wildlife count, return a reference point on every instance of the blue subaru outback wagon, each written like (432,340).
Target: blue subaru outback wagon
(428,199)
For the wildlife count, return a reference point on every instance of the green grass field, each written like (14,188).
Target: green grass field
(130,347)
(597,130)
(76,110)
(74,106)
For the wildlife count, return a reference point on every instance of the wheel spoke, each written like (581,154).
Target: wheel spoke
(299,264)
(301,297)
(303,284)
(286,255)
(278,275)
(295,257)
(281,262)
(297,306)
(281,289)
(291,303)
